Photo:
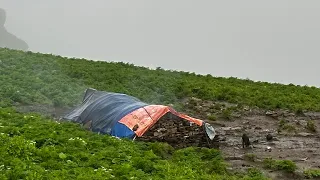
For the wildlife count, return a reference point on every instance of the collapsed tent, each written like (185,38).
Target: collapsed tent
(124,116)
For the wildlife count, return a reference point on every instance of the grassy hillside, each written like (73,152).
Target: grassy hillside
(33,147)
(29,78)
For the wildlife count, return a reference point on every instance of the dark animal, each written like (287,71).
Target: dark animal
(245,141)
(269,137)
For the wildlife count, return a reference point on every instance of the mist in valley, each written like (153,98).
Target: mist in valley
(274,41)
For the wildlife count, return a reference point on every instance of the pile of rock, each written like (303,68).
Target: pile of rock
(179,133)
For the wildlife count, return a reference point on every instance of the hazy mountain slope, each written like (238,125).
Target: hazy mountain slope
(39,78)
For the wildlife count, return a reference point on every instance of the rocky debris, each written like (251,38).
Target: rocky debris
(289,114)
(232,129)
(280,113)
(179,133)
(216,123)
(270,113)
(304,159)
(268,148)
(273,114)
(301,122)
(232,158)
(195,99)
(305,134)
(254,111)
(236,115)
(255,141)
(312,115)
(246,123)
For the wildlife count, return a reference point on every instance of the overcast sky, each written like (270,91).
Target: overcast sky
(274,40)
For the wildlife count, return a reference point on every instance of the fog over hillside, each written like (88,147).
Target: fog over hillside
(275,41)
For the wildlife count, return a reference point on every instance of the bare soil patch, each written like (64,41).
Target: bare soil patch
(293,139)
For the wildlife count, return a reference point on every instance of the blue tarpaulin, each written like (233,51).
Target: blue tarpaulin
(104,110)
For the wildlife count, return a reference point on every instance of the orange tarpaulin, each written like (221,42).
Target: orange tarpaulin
(147,116)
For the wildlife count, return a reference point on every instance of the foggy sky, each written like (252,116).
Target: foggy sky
(274,41)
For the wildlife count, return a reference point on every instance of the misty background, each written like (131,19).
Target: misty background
(273,41)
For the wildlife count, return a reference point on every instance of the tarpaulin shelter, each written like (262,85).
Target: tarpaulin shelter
(117,114)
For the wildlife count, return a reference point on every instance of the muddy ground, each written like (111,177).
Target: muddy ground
(301,146)
(292,140)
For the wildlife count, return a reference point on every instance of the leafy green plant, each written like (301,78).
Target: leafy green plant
(226,114)
(212,117)
(255,174)
(311,126)
(289,128)
(284,125)
(312,173)
(299,111)
(285,165)
(163,150)
(250,157)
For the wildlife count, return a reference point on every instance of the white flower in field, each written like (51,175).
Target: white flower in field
(32,142)
(84,142)
(96,170)
(2,133)
(112,176)
(77,138)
